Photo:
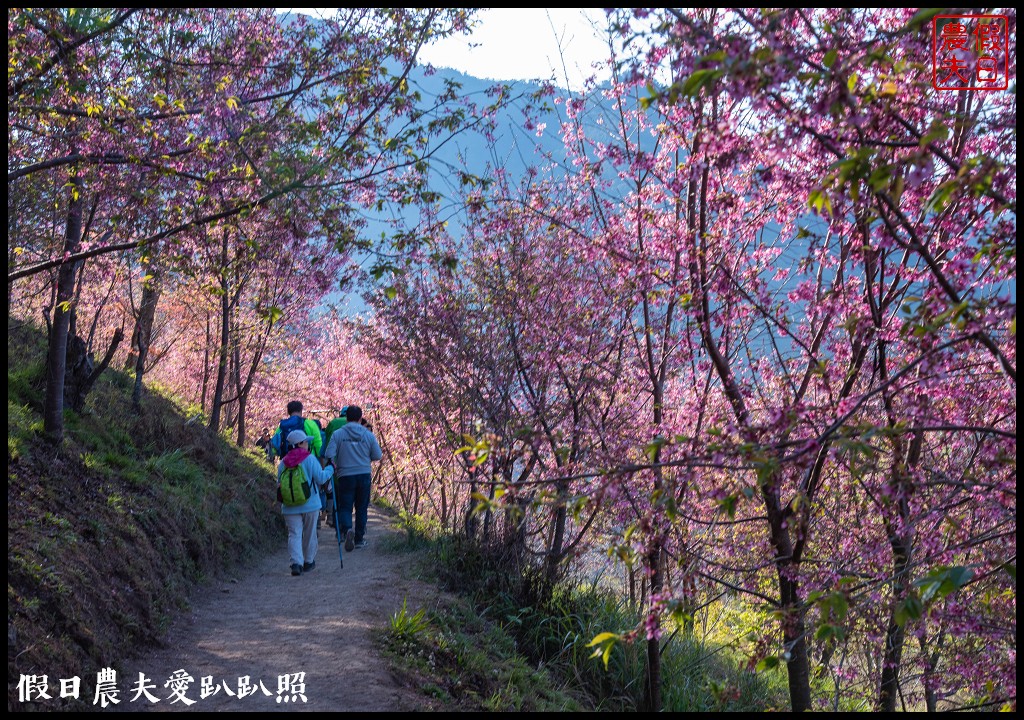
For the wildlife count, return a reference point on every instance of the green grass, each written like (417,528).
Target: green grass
(405,625)
(469,663)
(24,429)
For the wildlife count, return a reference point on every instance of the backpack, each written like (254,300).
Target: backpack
(293,488)
(280,440)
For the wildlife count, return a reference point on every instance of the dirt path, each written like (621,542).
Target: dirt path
(263,623)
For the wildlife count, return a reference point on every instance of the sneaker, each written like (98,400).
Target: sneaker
(361,544)
(350,540)
(306,567)
(296,569)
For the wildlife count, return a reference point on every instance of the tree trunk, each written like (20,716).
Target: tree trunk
(225,336)
(243,398)
(895,633)
(244,387)
(143,334)
(555,550)
(901,541)
(798,665)
(488,515)
(206,365)
(654,557)
(931,659)
(57,348)
(446,516)
(470,520)
(82,371)
(78,366)
(653,693)
(899,530)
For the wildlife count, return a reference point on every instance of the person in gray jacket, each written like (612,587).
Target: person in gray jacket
(351,449)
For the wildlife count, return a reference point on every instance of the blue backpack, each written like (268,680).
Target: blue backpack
(280,440)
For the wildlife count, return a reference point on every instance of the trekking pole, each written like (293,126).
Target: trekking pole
(337,523)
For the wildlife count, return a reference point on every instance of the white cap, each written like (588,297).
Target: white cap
(297,436)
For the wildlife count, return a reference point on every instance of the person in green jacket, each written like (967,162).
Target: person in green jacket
(328,431)
(335,424)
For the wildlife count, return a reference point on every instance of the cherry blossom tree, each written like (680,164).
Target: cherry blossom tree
(149,111)
(820,90)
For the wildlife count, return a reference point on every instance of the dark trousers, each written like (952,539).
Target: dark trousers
(352,493)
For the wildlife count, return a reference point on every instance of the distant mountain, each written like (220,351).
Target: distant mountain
(515,143)
(511,147)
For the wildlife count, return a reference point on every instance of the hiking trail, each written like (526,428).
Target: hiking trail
(260,621)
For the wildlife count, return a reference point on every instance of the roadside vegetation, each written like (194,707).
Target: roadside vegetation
(505,644)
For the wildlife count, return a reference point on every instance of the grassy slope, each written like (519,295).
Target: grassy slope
(107,537)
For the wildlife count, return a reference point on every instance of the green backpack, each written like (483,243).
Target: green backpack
(293,489)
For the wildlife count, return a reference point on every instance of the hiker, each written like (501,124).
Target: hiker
(320,429)
(295,421)
(263,443)
(333,425)
(351,449)
(301,519)
(319,453)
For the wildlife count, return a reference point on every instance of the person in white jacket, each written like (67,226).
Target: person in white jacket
(301,519)
(351,449)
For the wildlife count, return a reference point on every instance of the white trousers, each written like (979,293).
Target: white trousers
(302,541)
